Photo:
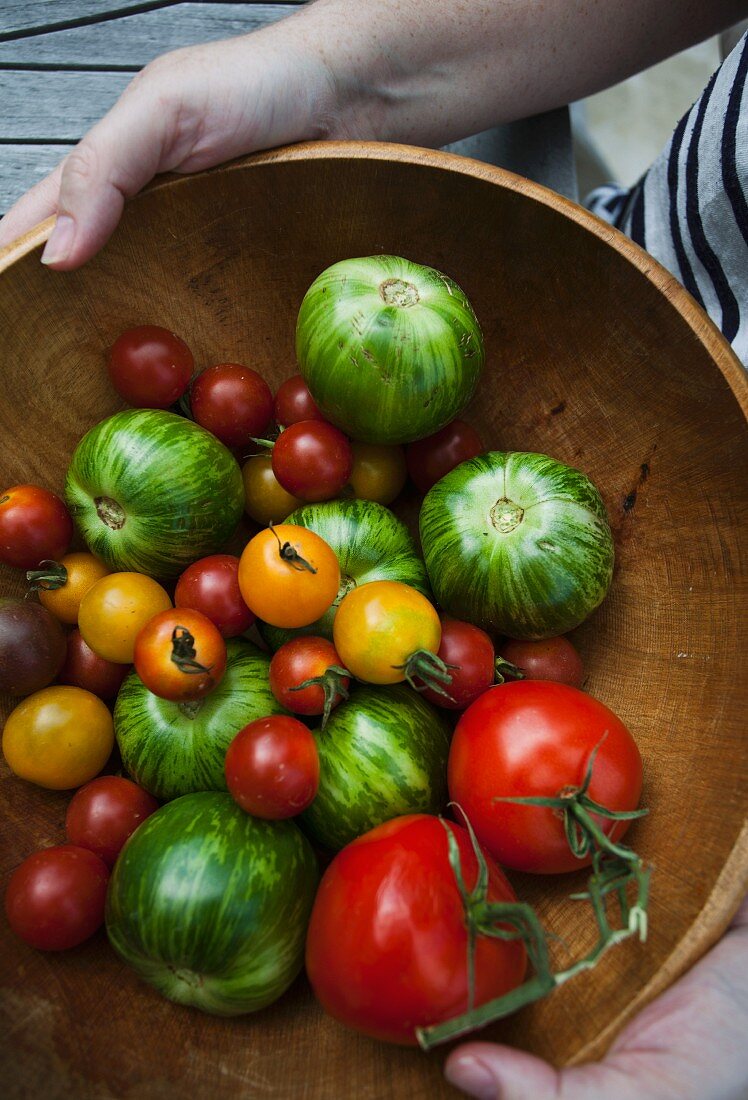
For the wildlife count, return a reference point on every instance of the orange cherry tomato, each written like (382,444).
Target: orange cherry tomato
(63,584)
(180,655)
(266,501)
(59,737)
(378,473)
(384,631)
(115,609)
(288,575)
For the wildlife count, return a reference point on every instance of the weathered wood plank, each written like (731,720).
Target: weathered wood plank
(21,166)
(18,16)
(55,106)
(134,40)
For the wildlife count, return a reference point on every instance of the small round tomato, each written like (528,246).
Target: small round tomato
(34,525)
(294,402)
(288,575)
(103,814)
(387,632)
(387,946)
(58,738)
(265,499)
(535,738)
(468,652)
(549,659)
(180,655)
(32,647)
(63,584)
(272,767)
(378,473)
(431,458)
(150,367)
(211,586)
(85,669)
(115,609)
(233,402)
(55,899)
(312,460)
(314,662)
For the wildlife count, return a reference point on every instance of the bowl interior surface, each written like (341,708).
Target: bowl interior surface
(594,356)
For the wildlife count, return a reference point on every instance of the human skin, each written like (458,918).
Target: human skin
(416,71)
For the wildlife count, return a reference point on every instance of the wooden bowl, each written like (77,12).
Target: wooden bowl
(596,356)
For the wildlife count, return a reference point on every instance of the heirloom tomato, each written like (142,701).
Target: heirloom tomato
(272,767)
(34,525)
(293,402)
(211,586)
(150,367)
(55,899)
(103,814)
(468,653)
(548,659)
(32,646)
(378,472)
(63,584)
(312,460)
(288,576)
(115,609)
(265,499)
(85,669)
(306,676)
(431,458)
(233,402)
(180,655)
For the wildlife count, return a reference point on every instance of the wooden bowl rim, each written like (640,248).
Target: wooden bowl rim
(732,882)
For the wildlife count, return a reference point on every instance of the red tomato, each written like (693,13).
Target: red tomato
(180,655)
(272,767)
(233,402)
(387,943)
(294,402)
(103,814)
(549,659)
(55,899)
(85,669)
(469,652)
(211,586)
(150,367)
(312,460)
(34,526)
(308,658)
(431,458)
(535,738)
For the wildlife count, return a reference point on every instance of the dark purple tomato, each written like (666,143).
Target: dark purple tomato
(32,647)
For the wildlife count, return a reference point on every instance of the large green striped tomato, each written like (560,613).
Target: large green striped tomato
(211,905)
(382,753)
(390,350)
(172,749)
(371,544)
(518,544)
(152,492)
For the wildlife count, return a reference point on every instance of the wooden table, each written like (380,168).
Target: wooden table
(63,63)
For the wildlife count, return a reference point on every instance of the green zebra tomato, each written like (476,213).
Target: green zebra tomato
(172,749)
(518,544)
(391,351)
(152,492)
(211,905)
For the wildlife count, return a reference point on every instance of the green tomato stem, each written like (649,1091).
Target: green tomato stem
(53,575)
(333,684)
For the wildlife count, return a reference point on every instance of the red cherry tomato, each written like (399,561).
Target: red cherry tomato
(470,652)
(103,814)
(180,655)
(55,899)
(431,458)
(150,367)
(302,659)
(211,586)
(387,945)
(294,402)
(535,738)
(85,669)
(312,460)
(233,402)
(272,767)
(34,526)
(549,659)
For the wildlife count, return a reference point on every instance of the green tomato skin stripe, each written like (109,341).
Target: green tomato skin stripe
(211,905)
(383,753)
(179,490)
(388,372)
(518,544)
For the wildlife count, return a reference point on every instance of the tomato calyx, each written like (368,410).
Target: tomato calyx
(184,654)
(333,684)
(49,576)
(504,668)
(430,669)
(287,552)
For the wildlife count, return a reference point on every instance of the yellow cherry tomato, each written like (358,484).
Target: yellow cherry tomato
(115,609)
(63,584)
(59,737)
(378,473)
(288,575)
(265,499)
(386,632)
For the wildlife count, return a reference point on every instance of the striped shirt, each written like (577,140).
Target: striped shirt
(690,208)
